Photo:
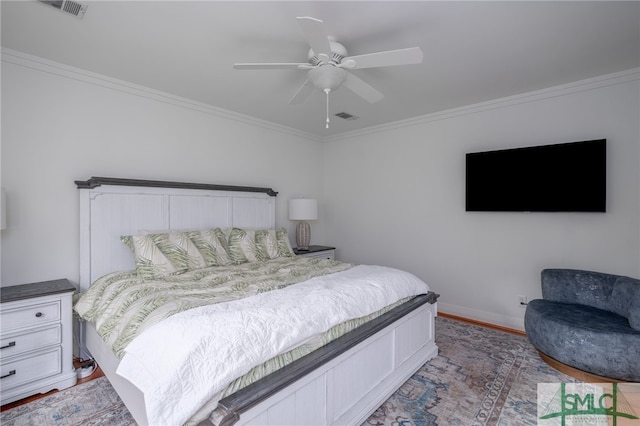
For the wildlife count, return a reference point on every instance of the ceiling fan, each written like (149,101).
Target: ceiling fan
(328,64)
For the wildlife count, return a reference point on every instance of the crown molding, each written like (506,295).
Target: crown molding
(88,77)
(65,71)
(551,92)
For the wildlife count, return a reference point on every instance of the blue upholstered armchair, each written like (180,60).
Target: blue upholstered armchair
(589,321)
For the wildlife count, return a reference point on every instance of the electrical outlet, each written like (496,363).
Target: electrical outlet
(522,301)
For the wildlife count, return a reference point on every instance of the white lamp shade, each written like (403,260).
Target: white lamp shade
(303,209)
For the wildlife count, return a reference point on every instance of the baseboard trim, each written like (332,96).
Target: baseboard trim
(483,324)
(500,320)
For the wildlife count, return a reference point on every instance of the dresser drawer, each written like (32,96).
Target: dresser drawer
(31,340)
(30,315)
(327,254)
(29,369)
(36,339)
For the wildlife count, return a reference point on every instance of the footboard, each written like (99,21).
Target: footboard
(334,386)
(343,382)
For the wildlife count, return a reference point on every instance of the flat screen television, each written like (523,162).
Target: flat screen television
(566,177)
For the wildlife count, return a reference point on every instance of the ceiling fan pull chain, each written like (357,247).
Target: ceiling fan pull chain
(327,92)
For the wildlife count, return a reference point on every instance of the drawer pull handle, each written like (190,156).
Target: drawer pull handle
(39,314)
(9,345)
(11,373)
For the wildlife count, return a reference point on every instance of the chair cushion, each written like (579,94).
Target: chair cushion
(584,337)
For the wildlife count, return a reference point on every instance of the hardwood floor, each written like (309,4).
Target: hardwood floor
(93,376)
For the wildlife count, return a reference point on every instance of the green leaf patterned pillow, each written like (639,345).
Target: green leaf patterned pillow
(211,243)
(266,244)
(242,246)
(150,262)
(284,245)
(250,245)
(180,250)
(162,254)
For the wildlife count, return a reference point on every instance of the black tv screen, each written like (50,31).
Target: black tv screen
(567,177)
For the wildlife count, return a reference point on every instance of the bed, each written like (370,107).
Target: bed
(336,380)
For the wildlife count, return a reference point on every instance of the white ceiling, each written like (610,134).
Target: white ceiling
(474,51)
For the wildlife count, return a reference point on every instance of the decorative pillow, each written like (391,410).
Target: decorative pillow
(150,262)
(242,245)
(179,249)
(284,245)
(174,253)
(211,244)
(266,244)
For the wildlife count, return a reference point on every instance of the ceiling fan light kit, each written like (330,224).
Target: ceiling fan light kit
(328,63)
(327,77)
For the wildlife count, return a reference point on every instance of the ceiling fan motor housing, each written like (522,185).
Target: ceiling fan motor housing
(338,52)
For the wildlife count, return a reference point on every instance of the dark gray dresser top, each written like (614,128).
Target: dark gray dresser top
(27,291)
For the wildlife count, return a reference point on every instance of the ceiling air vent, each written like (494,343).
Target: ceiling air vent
(67,6)
(346,116)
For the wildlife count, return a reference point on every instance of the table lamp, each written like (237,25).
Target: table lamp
(303,209)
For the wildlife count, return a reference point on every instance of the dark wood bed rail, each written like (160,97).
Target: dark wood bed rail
(232,406)
(99,181)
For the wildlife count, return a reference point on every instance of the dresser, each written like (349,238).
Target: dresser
(320,252)
(36,339)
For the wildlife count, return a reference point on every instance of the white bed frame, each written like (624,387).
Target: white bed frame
(342,383)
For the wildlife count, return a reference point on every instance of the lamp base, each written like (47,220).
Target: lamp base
(303,236)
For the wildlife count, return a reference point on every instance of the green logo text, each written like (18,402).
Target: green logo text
(588,404)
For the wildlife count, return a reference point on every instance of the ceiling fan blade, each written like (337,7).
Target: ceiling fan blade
(411,55)
(272,66)
(303,93)
(362,89)
(316,35)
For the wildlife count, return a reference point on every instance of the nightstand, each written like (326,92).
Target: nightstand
(320,252)
(36,339)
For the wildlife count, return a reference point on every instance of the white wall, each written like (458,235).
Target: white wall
(397,197)
(392,195)
(61,125)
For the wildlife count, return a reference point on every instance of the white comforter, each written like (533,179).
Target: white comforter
(212,345)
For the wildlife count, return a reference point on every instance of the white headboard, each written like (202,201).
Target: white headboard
(112,207)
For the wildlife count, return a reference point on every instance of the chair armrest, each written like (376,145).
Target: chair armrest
(625,300)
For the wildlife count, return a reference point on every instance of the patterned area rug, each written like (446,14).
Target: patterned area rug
(480,377)
(90,403)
